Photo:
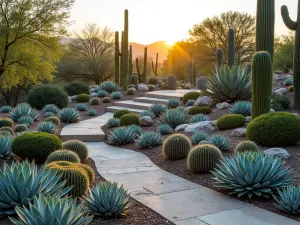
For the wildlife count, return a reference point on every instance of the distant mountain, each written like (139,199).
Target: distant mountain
(138,49)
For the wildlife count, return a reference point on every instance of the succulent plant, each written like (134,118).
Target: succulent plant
(59,211)
(20,128)
(289,200)
(95,101)
(82,98)
(92,112)
(246,146)
(78,147)
(180,108)
(199,110)
(47,127)
(129,119)
(252,173)
(220,141)
(113,122)
(147,113)
(174,118)
(173,103)
(109,86)
(149,140)
(203,158)
(6,122)
(69,115)
(198,137)
(49,114)
(190,102)
(241,107)
(106,100)
(121,136)
(176,147)
(106,199)
(63,155)
(51,108)
(116,95)
(102,94)
(137,130)
(5,147)
(24,109)
(26,120)
(8,129)
(6,109)
(164,129)
(121,113)
(288,82)
(193,95)
(53,119)
(231,121)
(21,182)
(158,109)
(81,107)
(199,118)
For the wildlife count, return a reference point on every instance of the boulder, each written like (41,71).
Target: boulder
(279,152)
(143,87)
(73,98)
(92,95)
(240,132)
(204,100)
(181,127)
(281,91)
(223,105)
(70,99)
(146,121)
(204,126)
(248,119)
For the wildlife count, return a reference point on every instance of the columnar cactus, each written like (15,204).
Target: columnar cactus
(154,68)
(261,83)
(231,48)
(203,158)
(265,23)
(176,147)
(294,25)
(219,55)
(130,71)
(125,54)
(191,68)
(172,82)
(117,59)
(142,76)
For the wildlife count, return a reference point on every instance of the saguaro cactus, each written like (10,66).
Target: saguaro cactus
(231,48)
(265,22)
(219,55)
(294,25)
(125,54)
(142,76)
(130,71)
(117,59)
(154,68)
(261,83)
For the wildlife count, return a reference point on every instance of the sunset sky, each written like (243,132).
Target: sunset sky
(158,20)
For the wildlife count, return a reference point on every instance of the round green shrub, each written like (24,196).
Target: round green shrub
(43,95)
(176,147)
(53,119)
(106,100)
(191,95)
(246,146)
(129,119)
(6,122)
(121,113)
(78,147)
(274,129)
(35,145)
(63,155)
(153,80)
(95,101)
(130,92)
(199,110)
(82,98)
(8,129)
(203,158)
(231,121)
(76,88)
(20,128)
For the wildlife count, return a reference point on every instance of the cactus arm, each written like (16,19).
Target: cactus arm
(292,25)
(138,70)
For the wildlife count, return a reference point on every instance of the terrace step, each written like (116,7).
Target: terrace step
(117,108)
(133,104)
(169,93)
(151,100)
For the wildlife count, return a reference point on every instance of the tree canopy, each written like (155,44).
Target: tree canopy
(284,52)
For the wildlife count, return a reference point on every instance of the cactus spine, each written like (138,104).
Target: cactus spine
(295,26)
(130,66)
(176,147)
(142,76)
(231,48)
(63,155)
(78,147)
(261,83)
(265,23)
(219,54)
(117,58)
(154,68)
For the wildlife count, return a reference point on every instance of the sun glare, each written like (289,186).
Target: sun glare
(171,42)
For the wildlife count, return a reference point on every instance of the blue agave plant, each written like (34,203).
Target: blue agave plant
(51,108)
(164,129)
(190,102)
(116,95)
(289,199)
(158,109)
(5,147)
(198,137)
(174,118)
(241,107)
(220,141)
(69,115)
(121,136)
(199,118)
(47,127)
(147,113)
(6,109)
(109,86)
(149,140)
(102,94)
(92,112)
(113,122)
(81,107)
(173,103)
(26,120)
(24,109)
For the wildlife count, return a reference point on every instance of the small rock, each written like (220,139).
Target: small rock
(73,98)
(181,127)
(278,72)
(281,91)
(205,126)
(279,152)
(224,105)
(248,119)
(143,87)
(146,121)
(92,90)
(204,100)
(240,132)
(70,99)
(205,142)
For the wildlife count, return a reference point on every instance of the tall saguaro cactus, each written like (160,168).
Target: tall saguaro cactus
(154,68)
(219,55)
(130,71)
(295,26)
(142,76)
(265,23)
(231,48)
(125,54)
(117,58)
(261,83)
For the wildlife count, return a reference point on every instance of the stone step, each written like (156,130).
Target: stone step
(132,104)
(169,93)
(117,108)
(151,100)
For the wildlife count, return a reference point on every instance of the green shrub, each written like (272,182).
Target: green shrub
(121,113)
(274,129)
(53,119)
(283,100)
(78,147)
(153,80)
(95,101)
(174,118)
(130,92)
(231,121)
(106,100)
(149,140)
(191,96)
(35,145)
(6,122)
(200,110)
(246,146)
(203,158)
(252,173)
(43,95)
(20,128)
(129,119)
(76,88)
(82,98)
(63,155)
(176,147)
